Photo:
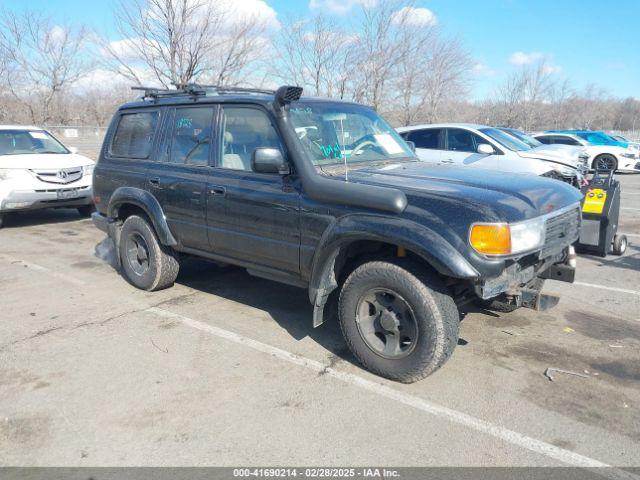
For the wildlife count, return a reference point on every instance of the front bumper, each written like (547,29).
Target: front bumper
(15,200)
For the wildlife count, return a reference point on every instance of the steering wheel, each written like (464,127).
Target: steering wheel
(361,146)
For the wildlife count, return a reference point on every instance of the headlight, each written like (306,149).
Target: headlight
(8,173)
(88,169)
(507,239)
(628,155)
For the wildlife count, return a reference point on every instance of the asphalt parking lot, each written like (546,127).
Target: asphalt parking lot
(226,369)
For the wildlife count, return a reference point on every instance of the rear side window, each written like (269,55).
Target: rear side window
(566,141)
(191,142)
(428,138)
(542,139)
(134,135)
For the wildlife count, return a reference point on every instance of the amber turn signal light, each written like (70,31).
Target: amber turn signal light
(491,239)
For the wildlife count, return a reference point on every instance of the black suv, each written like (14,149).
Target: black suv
(325,195)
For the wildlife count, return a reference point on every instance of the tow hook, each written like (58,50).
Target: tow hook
(538,301)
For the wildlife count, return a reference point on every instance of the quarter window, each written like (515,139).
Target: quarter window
(134,135)
(244,130)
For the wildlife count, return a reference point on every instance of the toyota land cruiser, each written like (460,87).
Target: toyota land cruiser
(325,195)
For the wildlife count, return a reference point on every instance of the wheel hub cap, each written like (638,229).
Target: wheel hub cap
(386,323)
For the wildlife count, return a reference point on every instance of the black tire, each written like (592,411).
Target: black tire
(433,313)
(147,264)
(619,245)
(86,210)
(605,162)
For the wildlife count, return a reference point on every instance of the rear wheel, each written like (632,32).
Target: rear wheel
(147,264)
(86,210)
(605,162)
(398,319)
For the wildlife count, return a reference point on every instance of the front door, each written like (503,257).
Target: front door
(462,149)
(253,217)
(179,179)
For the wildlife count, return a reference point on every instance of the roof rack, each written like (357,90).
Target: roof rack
(193,89)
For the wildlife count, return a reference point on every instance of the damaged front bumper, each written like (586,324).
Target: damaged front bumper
(520,284)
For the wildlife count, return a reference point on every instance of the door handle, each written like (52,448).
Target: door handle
(155,181)
(218,191)
(447,161)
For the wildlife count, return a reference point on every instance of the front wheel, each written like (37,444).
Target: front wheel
(619,245)
(146,263)
(605,162)
(398,319)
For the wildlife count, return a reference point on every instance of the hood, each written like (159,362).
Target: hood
(560,154)
(500,196)
(44,161)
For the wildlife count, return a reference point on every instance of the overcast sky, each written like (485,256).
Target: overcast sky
(588,41)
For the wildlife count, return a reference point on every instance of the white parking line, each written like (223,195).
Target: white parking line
(613,289)
(537,446)
(632,209)
(632,234)
(39,268)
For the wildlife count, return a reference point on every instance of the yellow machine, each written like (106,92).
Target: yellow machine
(600,213)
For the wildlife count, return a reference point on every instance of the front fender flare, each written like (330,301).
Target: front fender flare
(421,240)
(147,202)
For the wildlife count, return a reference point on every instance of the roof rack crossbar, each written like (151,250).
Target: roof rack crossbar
(197,89)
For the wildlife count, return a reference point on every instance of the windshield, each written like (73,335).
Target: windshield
(505,139)
(21,142)
(523,137)
(333,133)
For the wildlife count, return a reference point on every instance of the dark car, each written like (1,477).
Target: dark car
(326,196)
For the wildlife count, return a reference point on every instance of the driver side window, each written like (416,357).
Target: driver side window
(243,130)
(459,140)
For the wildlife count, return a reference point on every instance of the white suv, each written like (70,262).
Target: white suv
(492,149)
(37,171)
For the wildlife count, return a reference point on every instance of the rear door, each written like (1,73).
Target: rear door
(429,144)
(179,178)
(253,217)
(462,149)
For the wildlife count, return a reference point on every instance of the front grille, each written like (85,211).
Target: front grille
(561,230)
(60,176)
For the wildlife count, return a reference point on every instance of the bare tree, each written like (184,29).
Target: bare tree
(181,41)
(168,39)
(314,55)
(41,60)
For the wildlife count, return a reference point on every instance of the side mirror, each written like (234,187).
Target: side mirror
(486,149)
(412,145)
(269,160)
(73,149)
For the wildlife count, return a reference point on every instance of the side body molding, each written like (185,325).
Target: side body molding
(427,244)
(147,202)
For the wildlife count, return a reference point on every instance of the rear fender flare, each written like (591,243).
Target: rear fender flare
(147,202)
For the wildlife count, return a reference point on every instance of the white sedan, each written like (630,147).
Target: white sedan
(492,149)
(38,171)
(601,157)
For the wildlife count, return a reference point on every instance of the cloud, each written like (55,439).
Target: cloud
(339,7)
(417,17)
(551,68)
(244,10)
(522,58)
(482,70)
